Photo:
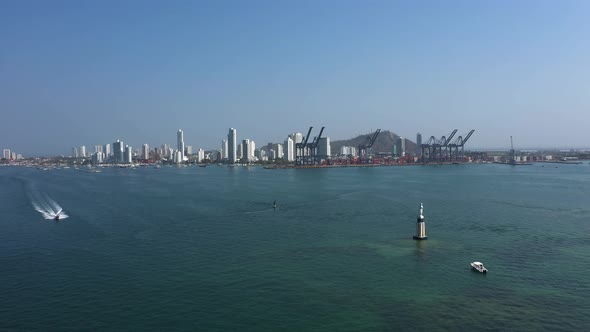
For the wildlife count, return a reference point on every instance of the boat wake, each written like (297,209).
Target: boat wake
(48,208)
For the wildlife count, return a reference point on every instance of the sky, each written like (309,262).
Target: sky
(87,72)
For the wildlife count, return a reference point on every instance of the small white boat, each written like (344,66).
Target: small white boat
(478,266)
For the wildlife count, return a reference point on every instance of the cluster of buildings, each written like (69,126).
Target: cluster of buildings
(232,151)
(11,155)
(246,152)
(119,153)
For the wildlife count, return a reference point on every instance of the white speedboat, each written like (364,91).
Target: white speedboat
(478,266)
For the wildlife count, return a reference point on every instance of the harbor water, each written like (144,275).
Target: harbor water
(203,249)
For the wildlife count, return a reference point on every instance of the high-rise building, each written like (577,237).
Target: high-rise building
(74,152)
(97,158)
(324,149)
(279,151)
(224,149)
(83,151)
(289,149)
(419,144)
(107,150)
(272,154)
(200,156)
(6,154)
(145,151)
(118,152)
(180,143)
(128,158)
(251,149)
(13,155)
(298,138)
(232,138)
(240,152)
(188,150)
(400,147)
(246,150)
(97,148)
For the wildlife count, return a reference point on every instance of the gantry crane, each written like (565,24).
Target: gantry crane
(365,149)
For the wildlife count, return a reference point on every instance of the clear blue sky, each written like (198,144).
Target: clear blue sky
(88,72)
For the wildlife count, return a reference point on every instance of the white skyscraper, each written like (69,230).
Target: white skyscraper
(251,150)
(400,147)
(298,137)
(279,151)
(188,150)
(74,152)
(145,151)
(6,154)
(200,155)
(324,149)
(246,150)
(83,151)
(180,143)
(107,150)
(128,155)
(289,149)
(232,138)
(224,149)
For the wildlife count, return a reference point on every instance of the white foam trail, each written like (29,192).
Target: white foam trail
(48,208)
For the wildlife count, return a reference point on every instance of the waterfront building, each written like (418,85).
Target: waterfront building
(239,155)
(180,143)
(324,149)
(224,149)
(97,158)
(145,153)
(188,150)
(232,141)
(200,155)
(118,152)
(13,155)
(128,158)
(97,148)
(177,157)
(400,147)
(74,152)
(6,154)
(289,149)
(280,152)
(298,137)
(419,144)
(107,150)
(251,149)
(83,151)
(246,150)
(19,156)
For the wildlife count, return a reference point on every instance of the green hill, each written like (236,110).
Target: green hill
(384,143)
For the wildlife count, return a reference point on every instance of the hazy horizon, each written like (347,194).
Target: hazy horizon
(87,73)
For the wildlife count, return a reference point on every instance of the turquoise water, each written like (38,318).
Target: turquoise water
(202,249)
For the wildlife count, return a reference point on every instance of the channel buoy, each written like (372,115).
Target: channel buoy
(420,225)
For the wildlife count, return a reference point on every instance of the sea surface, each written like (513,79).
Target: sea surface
(202,249)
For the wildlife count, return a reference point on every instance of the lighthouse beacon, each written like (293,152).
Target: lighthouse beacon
(420,226)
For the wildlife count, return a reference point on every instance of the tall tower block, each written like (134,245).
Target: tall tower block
(420,225)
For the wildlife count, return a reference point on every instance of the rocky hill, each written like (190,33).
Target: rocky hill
(384,143)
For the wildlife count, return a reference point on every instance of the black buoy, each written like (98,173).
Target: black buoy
(274,204)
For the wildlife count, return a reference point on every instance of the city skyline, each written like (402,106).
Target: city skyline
(88,73)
